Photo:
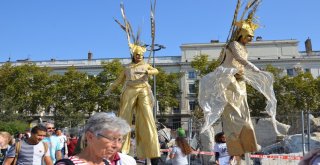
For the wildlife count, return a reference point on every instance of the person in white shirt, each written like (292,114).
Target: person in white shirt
(180,152)
(63,142)
(32,151)
(220,148)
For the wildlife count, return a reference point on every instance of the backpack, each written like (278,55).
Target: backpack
(64,162)
(70,162)
(18,148)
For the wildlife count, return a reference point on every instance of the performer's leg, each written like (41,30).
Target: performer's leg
(127,103)
(232,130)
(237,124)
(146,131)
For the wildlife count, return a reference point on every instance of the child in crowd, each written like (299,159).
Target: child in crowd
(221,152)
(180,152)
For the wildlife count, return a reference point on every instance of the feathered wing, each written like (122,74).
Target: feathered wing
(235,16)
(126,27)
(129,32)
(250,9)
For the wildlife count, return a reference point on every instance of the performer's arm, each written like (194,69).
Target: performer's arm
(236,51)
(118,81)
(151,70)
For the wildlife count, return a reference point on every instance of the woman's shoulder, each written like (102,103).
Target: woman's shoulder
(73,160)
(126,159)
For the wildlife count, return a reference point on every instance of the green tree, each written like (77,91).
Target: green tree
(202,65)
(13,126)
(111,71)
(23,90)
(68,98)
(168,91)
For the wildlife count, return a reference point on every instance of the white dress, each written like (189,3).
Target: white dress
(223,95)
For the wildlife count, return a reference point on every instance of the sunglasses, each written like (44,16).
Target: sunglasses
(50,128)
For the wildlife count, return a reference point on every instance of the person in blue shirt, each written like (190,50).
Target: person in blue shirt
(53,143)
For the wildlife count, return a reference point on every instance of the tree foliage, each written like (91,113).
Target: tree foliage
(27,91)
(203,66)
(111,71)
(168,90)
(13,126)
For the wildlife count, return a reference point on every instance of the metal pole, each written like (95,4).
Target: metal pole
(302,133)
(154,89)
(155,80)
(190,136)
(308,129)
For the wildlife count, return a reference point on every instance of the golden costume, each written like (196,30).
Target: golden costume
(222,93)
(236,119)
(137,98)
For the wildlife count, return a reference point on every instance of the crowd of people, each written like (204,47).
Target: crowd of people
(42,145)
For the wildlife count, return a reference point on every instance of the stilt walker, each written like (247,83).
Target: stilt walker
(137,97)
(222,93)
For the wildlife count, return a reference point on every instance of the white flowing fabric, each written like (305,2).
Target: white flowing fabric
(212,96)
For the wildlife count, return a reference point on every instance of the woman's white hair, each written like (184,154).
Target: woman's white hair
(103,121)
(106,122)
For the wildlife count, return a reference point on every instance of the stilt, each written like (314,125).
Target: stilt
(247,158)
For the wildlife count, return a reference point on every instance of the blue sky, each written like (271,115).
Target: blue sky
(68,29)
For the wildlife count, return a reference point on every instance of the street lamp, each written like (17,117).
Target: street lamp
(155,48)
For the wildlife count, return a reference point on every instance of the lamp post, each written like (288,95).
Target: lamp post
(156,47)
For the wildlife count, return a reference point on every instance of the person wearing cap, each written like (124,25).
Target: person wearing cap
(181,132)
(137,98)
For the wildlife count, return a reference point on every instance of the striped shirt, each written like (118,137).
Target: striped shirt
(74,159)
(29,154)
(77,161)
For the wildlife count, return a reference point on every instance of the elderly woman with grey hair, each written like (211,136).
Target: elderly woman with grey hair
(101,140)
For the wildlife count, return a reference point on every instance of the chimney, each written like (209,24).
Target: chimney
(259,38)
(308,46)
(89,55)
(214,41)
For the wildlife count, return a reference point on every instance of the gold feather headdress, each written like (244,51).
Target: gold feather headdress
(247,26)
(134,43)
(242,27)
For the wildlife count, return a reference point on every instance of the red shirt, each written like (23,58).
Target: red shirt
(116,158)
(71,146)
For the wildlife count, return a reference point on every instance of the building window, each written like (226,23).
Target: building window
(191,75)
(192,105)
(290,72)
(161,108)
(192,88)
(176,109)
(176,123)
(307,70)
